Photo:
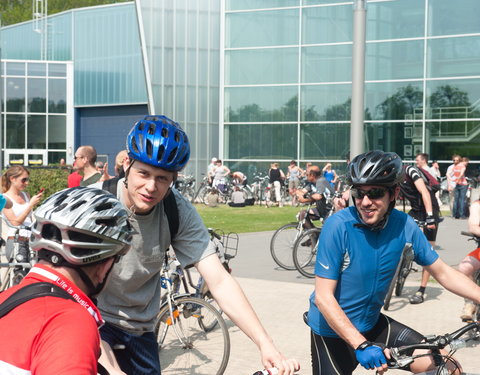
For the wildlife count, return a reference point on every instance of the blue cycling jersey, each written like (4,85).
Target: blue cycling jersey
(363,262)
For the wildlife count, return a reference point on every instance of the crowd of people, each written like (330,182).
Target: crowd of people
(98,270)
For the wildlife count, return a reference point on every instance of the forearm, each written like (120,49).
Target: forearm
(454,281)
(338,320)
(17,220)
(427,202)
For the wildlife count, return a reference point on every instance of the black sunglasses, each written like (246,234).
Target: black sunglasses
(24,180)
(376,193)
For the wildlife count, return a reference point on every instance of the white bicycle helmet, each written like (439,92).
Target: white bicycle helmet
(81,226)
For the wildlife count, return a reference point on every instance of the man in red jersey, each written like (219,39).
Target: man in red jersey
(78,234)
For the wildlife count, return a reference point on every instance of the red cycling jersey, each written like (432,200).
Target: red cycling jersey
(50,335)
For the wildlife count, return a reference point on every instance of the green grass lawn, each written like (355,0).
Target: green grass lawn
(246,219)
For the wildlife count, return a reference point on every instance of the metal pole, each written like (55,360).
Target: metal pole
(357,141)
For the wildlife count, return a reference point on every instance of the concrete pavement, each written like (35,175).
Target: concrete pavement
(280,297)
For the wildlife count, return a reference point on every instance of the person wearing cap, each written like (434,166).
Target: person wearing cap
(358,253)
(158,149)
(78,234)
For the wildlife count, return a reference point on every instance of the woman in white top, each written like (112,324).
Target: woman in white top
(14,181)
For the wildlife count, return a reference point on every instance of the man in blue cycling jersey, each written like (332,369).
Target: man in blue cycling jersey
(358,253)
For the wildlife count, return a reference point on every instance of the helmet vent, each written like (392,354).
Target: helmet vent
(164,132)
(140,126)
(134,146)
(60,207)
(104,206)
(151,129)
(177,137)
(161,151)
(82,237)
(52,233)
(149,149)
(111,222)
(172,155)
(76,205)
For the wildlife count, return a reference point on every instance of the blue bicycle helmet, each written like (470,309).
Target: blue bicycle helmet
(159,141)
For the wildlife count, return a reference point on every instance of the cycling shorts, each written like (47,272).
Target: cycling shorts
(333,356)
(475,254)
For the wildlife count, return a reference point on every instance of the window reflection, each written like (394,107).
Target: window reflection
(36,131)
(15,131)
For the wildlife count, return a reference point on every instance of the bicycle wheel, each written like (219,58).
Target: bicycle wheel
(185,347)
(281,245)
(208,326)
(305,252)
(405,267)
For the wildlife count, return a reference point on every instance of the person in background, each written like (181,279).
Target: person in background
(239,178)
(238,200)
(14,181)
(294,174)
(220,172)
(330,174)
(213,198)
(78,234)
(74,178)
(85,159)
(210,169)
(276,177)
(119,159)
(460,191)
(451,181)
(435,172)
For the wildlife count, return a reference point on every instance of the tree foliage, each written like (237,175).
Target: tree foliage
(15,11)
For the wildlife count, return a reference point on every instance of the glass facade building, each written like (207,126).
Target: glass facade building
(36,108)
(287,79)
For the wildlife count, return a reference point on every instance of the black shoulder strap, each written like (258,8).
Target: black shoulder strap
(171,210)
(169,205)
(31,291)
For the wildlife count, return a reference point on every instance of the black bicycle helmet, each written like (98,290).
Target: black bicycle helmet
(375,168)
(81,226)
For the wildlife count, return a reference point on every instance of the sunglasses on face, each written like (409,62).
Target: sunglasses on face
(376,193)
(25,180)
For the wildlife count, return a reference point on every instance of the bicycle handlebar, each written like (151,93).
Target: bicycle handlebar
(214,234)
(400,359)
(270,371)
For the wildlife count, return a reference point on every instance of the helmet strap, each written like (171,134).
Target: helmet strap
(127,172)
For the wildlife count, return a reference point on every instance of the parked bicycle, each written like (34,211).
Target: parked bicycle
(191,333)
(14,268)
(446,364)
(186,186)
(405,266)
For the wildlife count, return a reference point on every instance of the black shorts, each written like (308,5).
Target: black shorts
(333,356)
(431,234)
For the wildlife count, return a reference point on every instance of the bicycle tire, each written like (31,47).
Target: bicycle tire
(305,252)
(393,283)
(281,245)
(206,352)
(207,296)
(406,266)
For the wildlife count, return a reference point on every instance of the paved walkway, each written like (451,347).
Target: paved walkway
(280,297)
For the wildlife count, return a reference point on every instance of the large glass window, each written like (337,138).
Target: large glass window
(37,69)
(394,60)
(37,95)
(15,68)
(261,141)
(393,100)
(324,141)
(36,131)
(404,138)
(327,63)
(326,102)
(15,131)
(453,57)
(57,70)
(57,96)
(266,28)
(453,17)
(456,98)
(57,132)
(258,4)
(251,104)
(273,65)
(15,94)
(327,24)
(395,19)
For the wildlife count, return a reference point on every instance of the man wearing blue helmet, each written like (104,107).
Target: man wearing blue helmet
(158,149)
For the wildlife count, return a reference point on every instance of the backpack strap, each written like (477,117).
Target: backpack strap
(31,291)
(171,210)
(169,205)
